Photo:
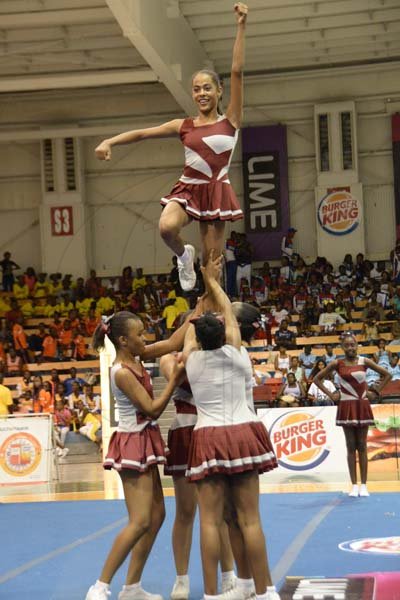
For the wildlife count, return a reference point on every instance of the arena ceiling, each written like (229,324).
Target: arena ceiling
(56,44)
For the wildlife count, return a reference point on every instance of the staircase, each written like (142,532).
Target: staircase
(81,450)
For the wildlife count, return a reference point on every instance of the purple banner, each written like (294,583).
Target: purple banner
(265,184)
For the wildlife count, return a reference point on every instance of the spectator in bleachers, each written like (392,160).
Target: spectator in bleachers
(13,363)
(46,398)
(370,328)
(20,289)
(329,319)
(35,341)
(65,305)
(27,308)
(6,401)
(395,331)
(300,298)
(50,346)
(73,378)
(291,393)
(92,285)
(78,345)
(75,396)
(50,308)
(65,340)
(374,306)
(231,265)
(394,367)
(382,357)
(30,279)
(342,308)
(8,267)
(300,270)
(106,302)
(296,369)
(126,280)
(244,257)
(287,243)
(170,314)
(139,280)
(41,286)
(311,311)
(285,272)
(395,263)
(307,360)
(279,313)
(91,400)
(282,360)
(88,423)
(315,395)
(25,403)
(284,336)
(62,419)
(329,356)
(91,322)
(55,286)
(20,341)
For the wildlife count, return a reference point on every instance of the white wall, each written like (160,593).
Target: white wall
(123,195)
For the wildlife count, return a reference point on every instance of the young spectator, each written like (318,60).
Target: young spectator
(230,264)
(307,360)
(285,271)
(281,361)
(13,363)
(91,322)
(374,306)
(139,280)
(329,319)
(73,378)
(329,356)
(79,345)
(63,419)
(315,395)
(126,280)
(42,286)
(27,308)
(341,277)
(65,305)
(20,341)
(25,403)
(20,289)
(279,313)
(50,346)
(300,298)
(8,266)
(300,270)
(370,329)
(348,265)
(65,339)
(6,401)
(75,396)
(287,243)
(170,314)
(394,367)
(30,280)
(382,357)
(50,309)
(395,331)
(284,336)
(296,369)
(46,398)
(88,423)
(92,401)
(55,286)
(291,393)
(244,257)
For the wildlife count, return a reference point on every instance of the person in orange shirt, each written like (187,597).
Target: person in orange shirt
(91,322)
(46,398)
(37,396)
(73,317)
(57,323)
(50,346)
(79,344)
(65,338)
(20,341)
(13,363)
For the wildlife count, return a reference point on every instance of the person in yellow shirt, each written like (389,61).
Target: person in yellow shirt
(139,280)
(20,289)
(181,303)
(42,286)
(170,314)
(55,286)
(4,307)
(27,308)
(106,303)
(65,306)
(6,401)
(50,308)
(83,305)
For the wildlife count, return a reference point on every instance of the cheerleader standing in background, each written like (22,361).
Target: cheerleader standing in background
(354,412)
(230,445)
(135,450)
(203,192)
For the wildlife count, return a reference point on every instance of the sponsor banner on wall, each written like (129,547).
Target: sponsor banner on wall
(307,440)
(339,212)
(25,449)
(265,182)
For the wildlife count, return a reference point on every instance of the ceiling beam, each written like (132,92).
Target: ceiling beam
(49,18)
(163,37)
(76,80)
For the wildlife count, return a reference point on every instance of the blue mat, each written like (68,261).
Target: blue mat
(54,551)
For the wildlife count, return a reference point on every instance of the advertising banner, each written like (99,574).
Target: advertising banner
(308,441)
(265,182)
(25,449)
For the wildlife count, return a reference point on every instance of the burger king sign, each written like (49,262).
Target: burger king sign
(339,213)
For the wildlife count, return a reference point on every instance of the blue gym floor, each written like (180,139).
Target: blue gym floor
(54,551)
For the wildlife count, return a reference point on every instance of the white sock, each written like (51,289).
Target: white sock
(100,585)
(185,257)
(261,596)
(271,588)
(209,597)
(244,584)
(227,575)
(182,578)
(133,586)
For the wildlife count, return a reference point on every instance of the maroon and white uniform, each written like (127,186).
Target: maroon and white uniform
(137,444)
(180,432)
(354,407)
(228,437)
(204,189)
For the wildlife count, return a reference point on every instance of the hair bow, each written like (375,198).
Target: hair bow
(106,323)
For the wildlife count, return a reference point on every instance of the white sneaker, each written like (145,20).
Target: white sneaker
(363,490)
(354,491)
(232,594)
(137,594)
(272,595)
(181,590)
(96,593)
(247,591)
(64,452)
(187,274)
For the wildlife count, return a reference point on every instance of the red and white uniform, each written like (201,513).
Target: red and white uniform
(228,437)
(354,407)
(204,189)
(137,444)
(180,432)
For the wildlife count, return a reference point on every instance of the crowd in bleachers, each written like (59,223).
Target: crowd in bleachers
(51,318)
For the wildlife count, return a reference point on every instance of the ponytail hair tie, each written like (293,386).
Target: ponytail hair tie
(106,323)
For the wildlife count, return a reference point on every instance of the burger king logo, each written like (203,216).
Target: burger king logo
(299,440)
(20,454)
(386,546)
(339,213)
